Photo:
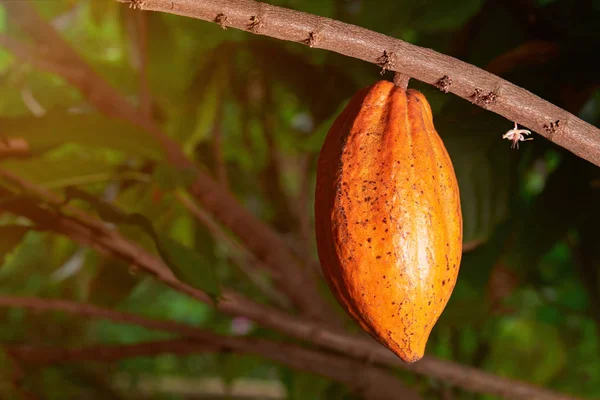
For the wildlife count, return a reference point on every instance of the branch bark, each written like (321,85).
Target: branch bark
(447,73)
(85,231)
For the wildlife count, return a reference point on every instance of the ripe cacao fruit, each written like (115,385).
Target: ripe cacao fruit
(388,217)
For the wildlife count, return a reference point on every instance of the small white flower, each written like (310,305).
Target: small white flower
(516,135)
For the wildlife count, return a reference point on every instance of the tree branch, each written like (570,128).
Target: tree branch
(465,80)
(349,372)
(111,243)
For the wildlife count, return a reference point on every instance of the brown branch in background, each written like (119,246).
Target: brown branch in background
(111,243)
(512,102)
(294,280)
(341,369)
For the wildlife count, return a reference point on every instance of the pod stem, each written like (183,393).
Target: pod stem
(401,80)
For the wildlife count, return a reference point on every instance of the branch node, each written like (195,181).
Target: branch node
(484,100)
(552,128)
(387,61)
(136,4)
(221,19)
(313,39)
(255,24)
(444,83)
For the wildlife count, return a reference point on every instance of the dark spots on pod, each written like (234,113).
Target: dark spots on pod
(378,257)
(384,220)
(350,258)
(389,253)
(444,282)
(429,303)
(386,230)
(384,277)
(412,165)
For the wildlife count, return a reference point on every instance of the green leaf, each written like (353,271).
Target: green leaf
(170,178)
(537,352)
(190,267)
(10,237)
(482,166)
(234,366)
(93,130)
(303,386)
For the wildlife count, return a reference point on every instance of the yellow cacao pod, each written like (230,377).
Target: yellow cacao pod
(388,217)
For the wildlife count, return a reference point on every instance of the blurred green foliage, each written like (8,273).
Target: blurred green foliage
(527,303)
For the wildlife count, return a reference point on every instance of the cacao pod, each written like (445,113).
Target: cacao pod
(388,217)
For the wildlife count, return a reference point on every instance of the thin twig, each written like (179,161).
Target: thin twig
(469,82)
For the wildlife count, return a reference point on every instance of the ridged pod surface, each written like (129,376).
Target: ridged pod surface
(388,217)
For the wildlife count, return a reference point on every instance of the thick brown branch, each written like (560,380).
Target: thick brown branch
(469,82)
(111,243)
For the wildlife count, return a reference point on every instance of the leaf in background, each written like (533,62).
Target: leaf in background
(112,283)
(302,386)
(482,163)
(170,178)
(537,352)
(93,130)
(232,366)
(190,267)
(321,88)
(209,102)
(10,237)
(61,172)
